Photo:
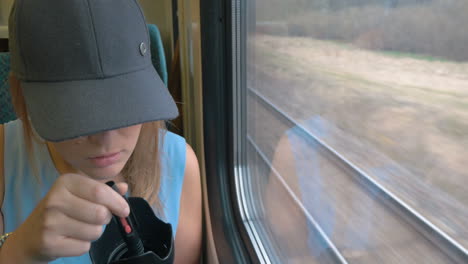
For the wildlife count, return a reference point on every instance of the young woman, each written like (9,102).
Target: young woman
(91,109)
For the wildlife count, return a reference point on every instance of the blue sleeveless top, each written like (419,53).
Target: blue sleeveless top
(23,193)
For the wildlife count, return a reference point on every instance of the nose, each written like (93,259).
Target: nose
(102,138)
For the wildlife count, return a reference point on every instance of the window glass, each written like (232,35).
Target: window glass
(357,129)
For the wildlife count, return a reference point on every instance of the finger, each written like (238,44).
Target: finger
(81,231)
(84,211)
(60,224)
(97,192)
(123,188)
(69,247)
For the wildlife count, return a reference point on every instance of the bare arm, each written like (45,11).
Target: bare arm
(189,231)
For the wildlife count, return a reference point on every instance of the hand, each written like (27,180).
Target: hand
(68,219)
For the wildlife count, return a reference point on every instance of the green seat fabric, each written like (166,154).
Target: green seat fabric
(6,108)
(157,52)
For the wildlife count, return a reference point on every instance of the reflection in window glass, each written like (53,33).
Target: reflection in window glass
(357,129)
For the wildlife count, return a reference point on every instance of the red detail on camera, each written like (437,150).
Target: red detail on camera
(126,226)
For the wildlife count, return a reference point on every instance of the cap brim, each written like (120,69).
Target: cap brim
(66,110)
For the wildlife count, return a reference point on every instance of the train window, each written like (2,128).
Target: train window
(351,129)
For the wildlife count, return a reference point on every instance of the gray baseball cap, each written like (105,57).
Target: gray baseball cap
(85,66)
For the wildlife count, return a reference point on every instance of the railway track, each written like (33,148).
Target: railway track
(395,232)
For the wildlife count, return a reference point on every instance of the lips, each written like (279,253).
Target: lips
(106,159)
(105,155)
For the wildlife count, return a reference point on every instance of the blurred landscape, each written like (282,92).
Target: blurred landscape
(435,29)
(401,86)
(383,82)
(414,111)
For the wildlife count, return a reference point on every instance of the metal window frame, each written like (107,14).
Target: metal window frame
(250,208)
(232,241)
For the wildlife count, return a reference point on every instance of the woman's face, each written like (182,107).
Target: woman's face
(101,156)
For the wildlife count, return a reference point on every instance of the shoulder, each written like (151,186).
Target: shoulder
(13,140)
(11,136)
(173,154)
(178,154)
(172,137)
(8,129)
(173,145)
(12,129)
(189,232)
(179,151)
(191,188)
(192,170)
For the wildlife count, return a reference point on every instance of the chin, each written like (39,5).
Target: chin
(107,173)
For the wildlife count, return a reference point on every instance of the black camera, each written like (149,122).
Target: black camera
(141,238)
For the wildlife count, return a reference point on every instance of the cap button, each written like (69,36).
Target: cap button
(143,49)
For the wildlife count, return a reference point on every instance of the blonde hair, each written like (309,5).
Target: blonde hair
(143,169)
